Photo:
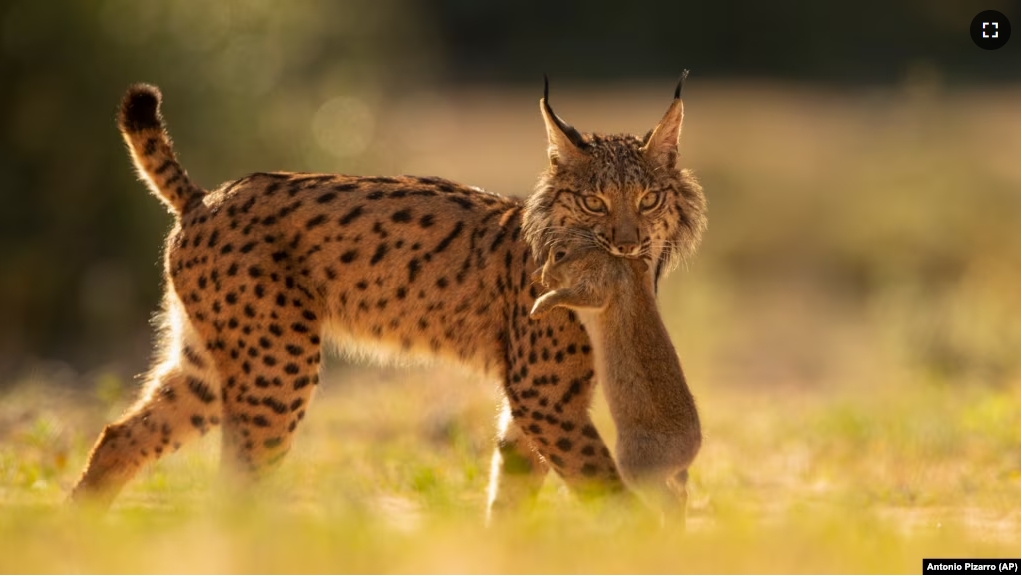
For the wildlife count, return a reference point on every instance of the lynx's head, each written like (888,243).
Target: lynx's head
(620,192)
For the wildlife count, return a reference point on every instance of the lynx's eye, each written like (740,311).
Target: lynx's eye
(650,201)
(594,204)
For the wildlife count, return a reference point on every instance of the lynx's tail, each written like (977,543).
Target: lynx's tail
(143,129)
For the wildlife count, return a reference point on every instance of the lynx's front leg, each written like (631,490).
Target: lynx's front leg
(549,389)
(517,470)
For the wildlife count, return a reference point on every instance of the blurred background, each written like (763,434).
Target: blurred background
(850,326)
(861,159)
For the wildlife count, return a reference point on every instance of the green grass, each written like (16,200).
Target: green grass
(860,480)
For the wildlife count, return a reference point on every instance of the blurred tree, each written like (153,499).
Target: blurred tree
(79,266)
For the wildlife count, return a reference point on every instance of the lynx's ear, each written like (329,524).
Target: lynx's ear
(564,143)
(661,144)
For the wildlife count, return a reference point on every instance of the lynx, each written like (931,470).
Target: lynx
(658,432)
(263,271)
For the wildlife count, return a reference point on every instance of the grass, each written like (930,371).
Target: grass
(862,480)
(850,330)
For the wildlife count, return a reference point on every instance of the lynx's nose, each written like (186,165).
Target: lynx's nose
(625,235)
(627,248)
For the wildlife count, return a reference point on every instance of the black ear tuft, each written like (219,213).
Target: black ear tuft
(568,130)
(681,84)
(140,108)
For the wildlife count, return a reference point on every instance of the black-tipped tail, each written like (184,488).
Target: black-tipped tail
(143,129)
(140,109)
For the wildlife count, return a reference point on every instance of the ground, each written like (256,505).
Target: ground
(389,475)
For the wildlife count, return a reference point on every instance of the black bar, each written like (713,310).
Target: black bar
(971,565)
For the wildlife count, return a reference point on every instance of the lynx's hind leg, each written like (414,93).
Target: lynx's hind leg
(180,400)
(269,368)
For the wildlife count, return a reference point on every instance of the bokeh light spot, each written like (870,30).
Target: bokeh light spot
(344,126)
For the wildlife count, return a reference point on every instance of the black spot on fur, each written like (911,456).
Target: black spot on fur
(402,216)
(465,203)
(413,269)
(381,251)
(351,216)
(449,238)
(315,221)
(349,256)
(193,357)
(200,390)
